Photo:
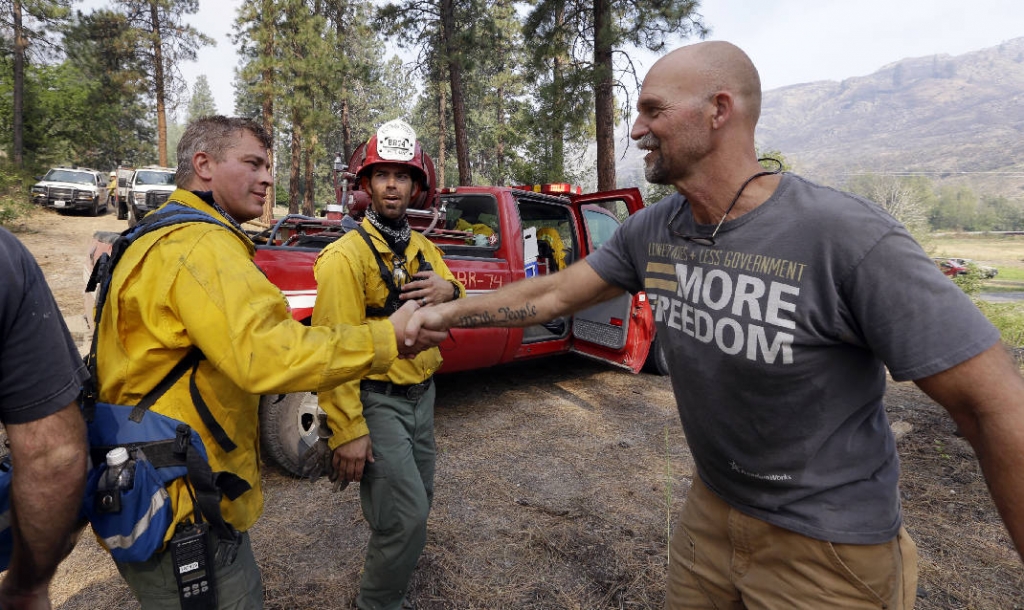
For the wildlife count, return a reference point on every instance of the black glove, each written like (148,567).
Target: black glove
(316,461)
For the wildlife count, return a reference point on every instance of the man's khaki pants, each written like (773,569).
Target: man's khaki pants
(723,559)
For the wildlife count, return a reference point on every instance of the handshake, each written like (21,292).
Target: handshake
(418,328)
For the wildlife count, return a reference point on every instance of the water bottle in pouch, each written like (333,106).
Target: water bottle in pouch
(120,475)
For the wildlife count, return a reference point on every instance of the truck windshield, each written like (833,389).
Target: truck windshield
(64,175)
(476,216)
(151,178)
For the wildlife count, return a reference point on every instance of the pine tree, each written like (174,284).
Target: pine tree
(109,127)
(27,21)
(584,37)
(256,85)
(450,34)
(201,104)
(167,40)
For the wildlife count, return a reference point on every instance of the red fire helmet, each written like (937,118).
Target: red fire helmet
(395,142)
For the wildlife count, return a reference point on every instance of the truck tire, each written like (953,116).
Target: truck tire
(95,209)
(288,424)
(132,221)
(122,211)
(656,362)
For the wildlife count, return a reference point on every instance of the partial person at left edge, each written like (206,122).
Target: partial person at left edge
(41,373)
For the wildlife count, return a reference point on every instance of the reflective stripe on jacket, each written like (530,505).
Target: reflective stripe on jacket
(196,285)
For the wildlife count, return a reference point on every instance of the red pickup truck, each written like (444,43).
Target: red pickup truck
(490,236)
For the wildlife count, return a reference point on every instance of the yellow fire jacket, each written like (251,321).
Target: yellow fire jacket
(348,280)
(196,285)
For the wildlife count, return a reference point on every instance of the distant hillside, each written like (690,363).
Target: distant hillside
(959,117)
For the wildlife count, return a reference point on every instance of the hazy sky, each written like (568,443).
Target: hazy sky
(790,41)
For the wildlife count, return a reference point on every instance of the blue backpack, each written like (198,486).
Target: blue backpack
(6,535)
(132,523)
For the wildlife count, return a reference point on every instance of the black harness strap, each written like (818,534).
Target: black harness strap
(193,356)
(392,303)
(203,409)
(191,360)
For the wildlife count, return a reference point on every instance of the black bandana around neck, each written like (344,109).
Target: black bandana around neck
(396,232)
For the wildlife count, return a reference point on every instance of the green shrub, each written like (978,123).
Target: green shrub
(971,281)
(1008,318)
(14,194)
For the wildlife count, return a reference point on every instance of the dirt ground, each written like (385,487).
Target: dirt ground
(557,483)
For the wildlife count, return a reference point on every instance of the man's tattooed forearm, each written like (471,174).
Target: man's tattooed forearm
(506,316)
(526,312)
(475,320)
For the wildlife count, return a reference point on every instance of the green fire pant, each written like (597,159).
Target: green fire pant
(239,585)
(396,492)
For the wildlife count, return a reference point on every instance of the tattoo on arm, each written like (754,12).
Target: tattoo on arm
(505,316)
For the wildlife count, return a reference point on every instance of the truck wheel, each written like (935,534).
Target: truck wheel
(288,424)
(122,211)
(656,362)
(95,209)
(132,221)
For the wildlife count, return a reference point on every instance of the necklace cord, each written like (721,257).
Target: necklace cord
(740,192)
(709,240)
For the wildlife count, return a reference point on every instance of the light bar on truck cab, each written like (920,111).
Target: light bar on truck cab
(554,188)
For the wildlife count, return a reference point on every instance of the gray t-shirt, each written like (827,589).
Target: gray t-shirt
(778,337)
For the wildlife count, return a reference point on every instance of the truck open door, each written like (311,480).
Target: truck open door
(619,331)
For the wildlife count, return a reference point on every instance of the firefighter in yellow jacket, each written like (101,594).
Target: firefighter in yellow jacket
(195,285)
(383,426)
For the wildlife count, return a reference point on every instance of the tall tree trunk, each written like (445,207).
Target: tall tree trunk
(500,122)
(267,217)
(604,96)
(293,172)
(442,132)
(346,129)
(158,84)
(459,120)
(346,120)
(556,169)
(20,44)
(267,75)
(309,195)
(454,66)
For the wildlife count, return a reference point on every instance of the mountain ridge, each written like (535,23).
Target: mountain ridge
(956,119)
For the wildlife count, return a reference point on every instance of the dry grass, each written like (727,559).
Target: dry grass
(551,492)
(967,560)
(983,248)
(1005,252)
